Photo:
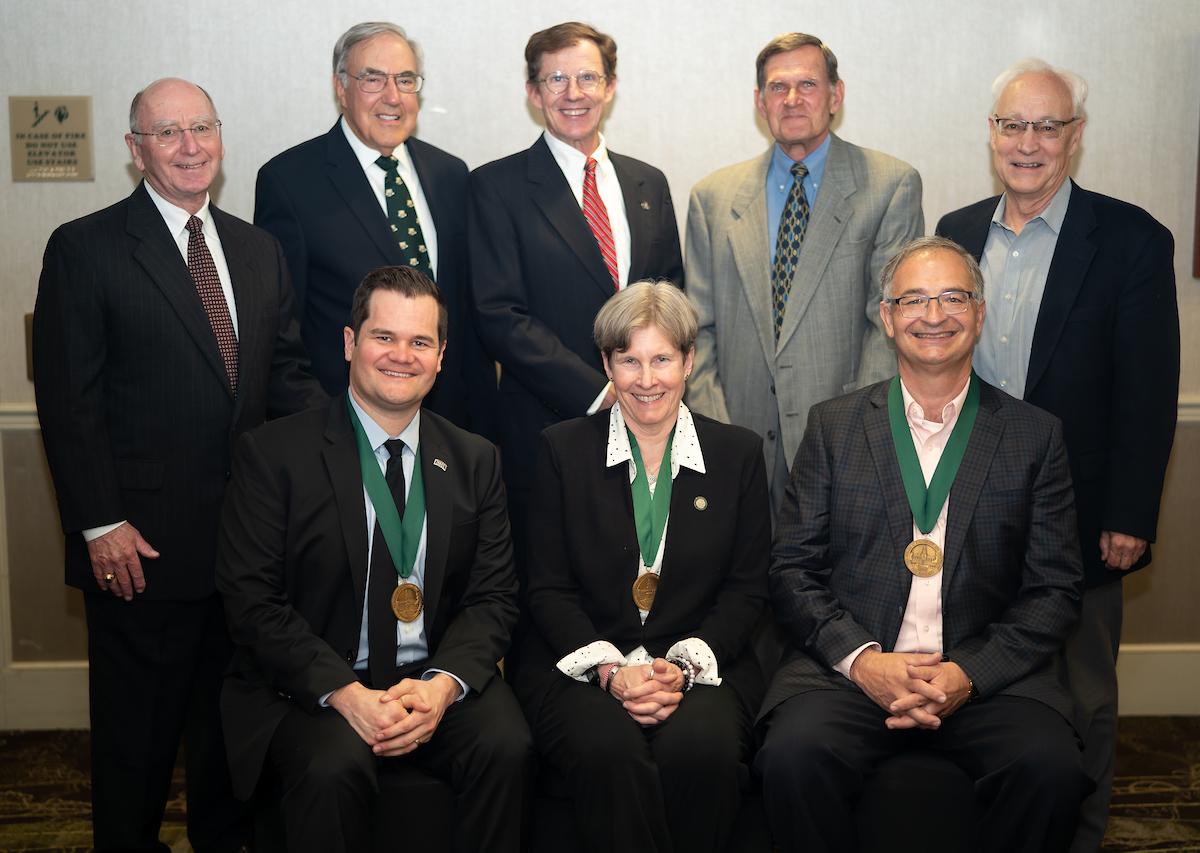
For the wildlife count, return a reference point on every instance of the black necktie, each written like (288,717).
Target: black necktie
(402,217)
(381,583)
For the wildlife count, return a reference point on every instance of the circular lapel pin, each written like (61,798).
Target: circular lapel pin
(700,503)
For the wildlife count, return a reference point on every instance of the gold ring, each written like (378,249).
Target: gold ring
(110,577)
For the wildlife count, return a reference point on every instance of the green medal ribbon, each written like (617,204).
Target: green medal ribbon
(402,539)
(650,513)
(926,503)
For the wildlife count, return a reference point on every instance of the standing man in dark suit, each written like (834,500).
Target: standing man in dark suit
(927,571)
(555,230)
(163,330)
(370,610)
(1087,328)
(369,194)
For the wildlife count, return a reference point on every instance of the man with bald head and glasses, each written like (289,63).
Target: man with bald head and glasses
(368,194)
(163,330)
(1083,322)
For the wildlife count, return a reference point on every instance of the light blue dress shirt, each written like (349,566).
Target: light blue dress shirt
(779,184)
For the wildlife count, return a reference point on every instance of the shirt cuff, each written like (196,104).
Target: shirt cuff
(697,652)
(595,407)
(580,661)
(92,533)
(843,666)
(428,675)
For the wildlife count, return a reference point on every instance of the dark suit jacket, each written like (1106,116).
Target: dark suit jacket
(583,555)
(538,280)
(1105,359)
(1011,582)
(315,199)
(292,567)
(135,407)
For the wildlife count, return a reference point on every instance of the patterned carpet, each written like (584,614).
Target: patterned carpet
(44,790)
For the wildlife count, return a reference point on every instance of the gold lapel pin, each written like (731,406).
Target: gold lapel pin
(645,205)
(438,463)
(700,503)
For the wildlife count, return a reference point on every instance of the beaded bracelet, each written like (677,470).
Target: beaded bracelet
(689,672)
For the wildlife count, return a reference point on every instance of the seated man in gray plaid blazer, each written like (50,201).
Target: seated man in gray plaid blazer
(926,570)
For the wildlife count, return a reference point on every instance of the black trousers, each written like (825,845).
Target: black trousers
(674,786)
(328,779)
(155,670)
(1023,756)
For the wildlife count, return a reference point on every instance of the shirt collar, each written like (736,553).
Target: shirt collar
(176,217)
(781,164)
(570,159)
(685,447)
(1053,215)
(377,435)
(366,155)
(914,412)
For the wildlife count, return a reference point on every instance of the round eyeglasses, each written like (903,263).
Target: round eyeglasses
(556,82)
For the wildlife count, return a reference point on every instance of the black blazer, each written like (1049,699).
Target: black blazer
(583,555)
(316,200)
(1012,575)
(292,567)
(136,411)
(538,280)
(1105,359)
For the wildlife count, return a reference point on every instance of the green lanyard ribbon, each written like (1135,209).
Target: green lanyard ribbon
(926,503)
(402,539)
(650,513)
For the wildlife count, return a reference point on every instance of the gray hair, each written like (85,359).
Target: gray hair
(930,244)
(360,33)
(136,104)
(789,42)
(644,304)
(1075,84)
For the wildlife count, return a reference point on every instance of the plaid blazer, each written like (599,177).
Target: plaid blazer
(1012,576)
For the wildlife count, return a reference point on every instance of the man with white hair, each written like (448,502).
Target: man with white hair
(1083,322)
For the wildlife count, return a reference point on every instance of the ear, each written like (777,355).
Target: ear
(688,361)
(607,365)
(885,315)
(758,103)
(339,91)
(347,342)
(1076,138)
(135,151)
(533,91)
(441,355)
(839,95)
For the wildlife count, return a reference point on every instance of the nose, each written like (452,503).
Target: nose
(573,90)
(934,313)
(646,379)
(188,141)
(1028,140)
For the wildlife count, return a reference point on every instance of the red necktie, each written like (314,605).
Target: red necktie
(208,285)
(597,217)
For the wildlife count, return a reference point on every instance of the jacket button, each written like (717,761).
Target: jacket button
(772,387)
(227,474)
(770,435)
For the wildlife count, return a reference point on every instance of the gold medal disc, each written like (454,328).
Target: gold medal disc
(407,602)
(923,558)
(644,589)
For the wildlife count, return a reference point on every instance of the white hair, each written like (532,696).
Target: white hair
(1075,84)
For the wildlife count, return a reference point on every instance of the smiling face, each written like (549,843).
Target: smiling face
(797,100)
(936,342)
(181,173)
(1033,169)
(383,120)
(649,379)
(395,358)
(573,116)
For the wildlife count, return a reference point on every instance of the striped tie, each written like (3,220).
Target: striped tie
(208,285)
(597,217)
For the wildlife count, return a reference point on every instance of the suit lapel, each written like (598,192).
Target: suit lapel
(750,247)
(975,232)
(159,256)
(638,213)
(345,476)
(1072,260)
(246,297)
(968,483)
(551,193)
(346,175)
(887,471)
(438,512)
(429,187)
(831,211)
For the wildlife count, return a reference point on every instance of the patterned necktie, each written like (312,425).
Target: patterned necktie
(792,225)
(597,216)
(208,285)
(402,217)
(381,583)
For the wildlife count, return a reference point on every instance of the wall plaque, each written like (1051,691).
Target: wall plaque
(51,137)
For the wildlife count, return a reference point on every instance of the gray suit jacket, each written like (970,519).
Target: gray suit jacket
(1012,577)
(869,205)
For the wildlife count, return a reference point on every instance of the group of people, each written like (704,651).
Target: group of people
(297,556)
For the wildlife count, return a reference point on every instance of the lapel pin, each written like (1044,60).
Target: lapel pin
(700,503)
(438,463)
(645,205)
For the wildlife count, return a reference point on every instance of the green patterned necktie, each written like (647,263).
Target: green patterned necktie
(792,225)
(402,217)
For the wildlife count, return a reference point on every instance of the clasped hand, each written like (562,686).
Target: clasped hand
(648,692)
(397,720)
(917,690)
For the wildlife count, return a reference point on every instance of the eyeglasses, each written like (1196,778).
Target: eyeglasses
(556,82)
(1045,128)
(169,137)
(913,305)
(372,82)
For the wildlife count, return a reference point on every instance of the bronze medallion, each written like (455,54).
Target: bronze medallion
(923,558)
(644,589)
(407,602)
